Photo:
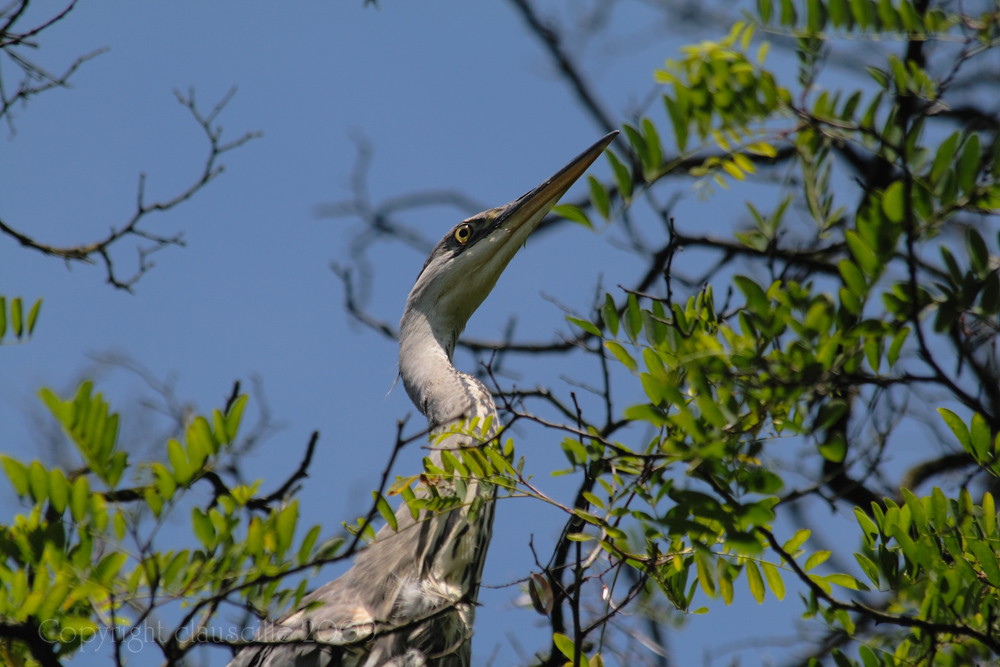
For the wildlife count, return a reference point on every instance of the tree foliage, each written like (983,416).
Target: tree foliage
(865,293)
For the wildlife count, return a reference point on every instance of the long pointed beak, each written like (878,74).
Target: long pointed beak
(456,279)
(532,207)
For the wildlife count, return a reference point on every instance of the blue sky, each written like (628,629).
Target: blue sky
(450,95)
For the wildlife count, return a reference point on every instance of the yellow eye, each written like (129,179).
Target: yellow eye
(463,234)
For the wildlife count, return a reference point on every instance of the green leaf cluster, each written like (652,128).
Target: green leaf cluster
(13,319)
(85,547)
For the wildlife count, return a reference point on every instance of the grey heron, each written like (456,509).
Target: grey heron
(409,599)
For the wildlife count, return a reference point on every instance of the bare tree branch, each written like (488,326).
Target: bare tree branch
(101,249)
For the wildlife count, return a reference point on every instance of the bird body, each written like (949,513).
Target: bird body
(409,599)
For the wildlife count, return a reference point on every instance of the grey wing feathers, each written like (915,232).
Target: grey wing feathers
(408,600)
(329,635)
(335,625)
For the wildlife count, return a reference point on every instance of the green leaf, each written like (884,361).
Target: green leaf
(853,278)
(182,469)
(868,657)
(765,10)
(859,11)
(58,490)
(815,16)
(968,164)
(176,565)
(989,516)
(80,498)
(585,325)
(305,549)
(385,510)
(839,16)
(564,644)
(329,548)
(899,73)
(796,541)
(622,176)
(846,581)
(868,567)
(54,599)
(38,481)
(888,16)
(957,427)
(409,498)
(201,430)
(219,427)
(654,153)
(679,121)
(987,561)
(756,582)
(233,417)
(622,355)
(757,300)
(17,473)
(835,447)
(980,437)
(164,480)
(638,143)
(829,414)
(939,510)
(573,213)
(816,560)
(774,580)
(945,155)
(917,513)
(32,316)
(897,345)
(864,256)
(704,570)
(953,269)
(15,316)
(452,464)
(609,313)
(285,525)
(645,412)
(892,202)
(154,500)
(203,528)
(198,447)
(913,553)
(850,302)
(119,525)
(499,462)
(979,254)
(726,589)
(634,318)
(593,500)
(109,567)
(868,120)
(599,196)
(789,16)
(873,352)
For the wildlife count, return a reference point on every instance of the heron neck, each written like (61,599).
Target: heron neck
(440,392)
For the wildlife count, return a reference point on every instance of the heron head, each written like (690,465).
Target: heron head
(463,268)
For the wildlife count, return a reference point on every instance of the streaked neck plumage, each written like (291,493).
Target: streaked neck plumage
(440,392)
